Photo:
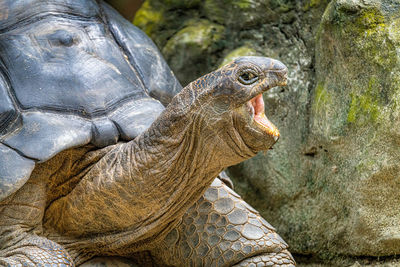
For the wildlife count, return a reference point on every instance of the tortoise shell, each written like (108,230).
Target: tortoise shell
(72,73)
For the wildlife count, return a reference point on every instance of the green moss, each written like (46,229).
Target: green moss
(197,37)
(364,107)
(242,4)
(148,18)
(311,4)
(314,3)
(365,31)
(351,19)
(321,97)
(191,51)
(367,23)
(237,13)
(282,5)
(394,30)
(238,52)
(221,6)
(370,22)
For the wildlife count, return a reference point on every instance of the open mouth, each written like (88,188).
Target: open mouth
(257,106)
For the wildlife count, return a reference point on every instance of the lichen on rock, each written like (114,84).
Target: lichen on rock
(357,62)
(191,43)
(148,18)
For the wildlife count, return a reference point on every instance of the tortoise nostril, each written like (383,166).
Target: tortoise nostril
(277,65)
(282,77)
(278,77)
(282,74)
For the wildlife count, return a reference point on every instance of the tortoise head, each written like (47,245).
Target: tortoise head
(230,99)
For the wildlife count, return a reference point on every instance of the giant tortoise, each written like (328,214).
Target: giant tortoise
(92,164)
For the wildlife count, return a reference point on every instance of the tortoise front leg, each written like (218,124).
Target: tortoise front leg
(35,250)
(222,230)
(21,243)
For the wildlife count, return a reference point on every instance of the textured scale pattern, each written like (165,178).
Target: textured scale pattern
(36,251)
(283,258)
(222,230)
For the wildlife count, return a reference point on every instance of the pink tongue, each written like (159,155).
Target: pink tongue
(258,104)
(260,118)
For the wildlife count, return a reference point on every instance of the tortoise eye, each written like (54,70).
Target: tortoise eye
(248,77)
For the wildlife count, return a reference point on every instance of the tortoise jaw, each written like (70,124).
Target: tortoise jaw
(275,77)
(257,106)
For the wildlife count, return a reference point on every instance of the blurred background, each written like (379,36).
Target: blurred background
(126,8)
(331,185)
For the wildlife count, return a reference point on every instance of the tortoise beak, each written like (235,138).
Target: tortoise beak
(275,74)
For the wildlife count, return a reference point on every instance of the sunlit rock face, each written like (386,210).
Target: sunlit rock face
(355,118)
(332,183)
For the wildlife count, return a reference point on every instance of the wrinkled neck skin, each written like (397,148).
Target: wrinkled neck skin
(181,154)
(141,189)
(185,149)
(186,142)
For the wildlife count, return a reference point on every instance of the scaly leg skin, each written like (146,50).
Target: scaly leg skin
(35,251)
(222,230)
(20,226)
(283,258)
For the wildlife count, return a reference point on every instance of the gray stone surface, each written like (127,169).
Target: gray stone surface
(355,127)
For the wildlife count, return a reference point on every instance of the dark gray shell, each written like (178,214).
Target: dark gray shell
(72,73)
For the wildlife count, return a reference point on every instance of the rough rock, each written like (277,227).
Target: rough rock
(355,119)
(331,185)
(189,45)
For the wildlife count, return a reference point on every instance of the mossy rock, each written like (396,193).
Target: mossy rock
(238,13)
(190,44)
(161,19)
(148,18)
(355,119)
